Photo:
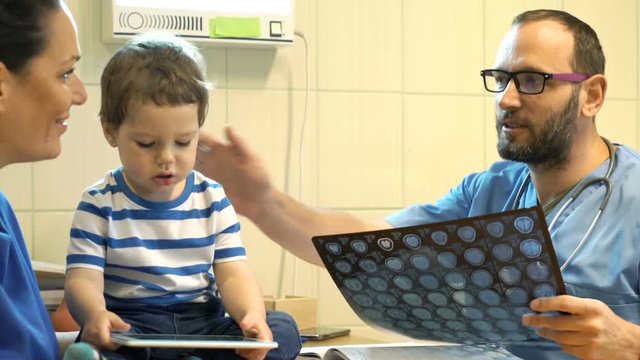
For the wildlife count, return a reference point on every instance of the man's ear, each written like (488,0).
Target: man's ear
(5,76)
(594,90)
(109,134)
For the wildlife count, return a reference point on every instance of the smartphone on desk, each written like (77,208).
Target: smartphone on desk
(322,333)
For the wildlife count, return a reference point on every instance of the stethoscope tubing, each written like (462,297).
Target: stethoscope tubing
(606,181)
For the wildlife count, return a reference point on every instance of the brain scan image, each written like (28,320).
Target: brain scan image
(468,281)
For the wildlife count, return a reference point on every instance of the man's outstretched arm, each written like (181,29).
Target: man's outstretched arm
(290,223)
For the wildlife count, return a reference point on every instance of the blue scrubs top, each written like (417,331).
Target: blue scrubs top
(608,264)
(25,328)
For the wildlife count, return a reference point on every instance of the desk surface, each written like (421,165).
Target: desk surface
(367,335)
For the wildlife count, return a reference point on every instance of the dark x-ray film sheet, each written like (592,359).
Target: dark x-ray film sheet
(467,281)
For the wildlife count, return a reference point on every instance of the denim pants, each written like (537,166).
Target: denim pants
(197,319)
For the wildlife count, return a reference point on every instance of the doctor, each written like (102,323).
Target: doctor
(549,84)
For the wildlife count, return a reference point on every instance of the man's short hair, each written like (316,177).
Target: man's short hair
(588,57)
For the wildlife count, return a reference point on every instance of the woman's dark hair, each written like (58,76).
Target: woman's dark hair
(23,33)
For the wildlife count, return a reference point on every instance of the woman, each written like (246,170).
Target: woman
(38,52)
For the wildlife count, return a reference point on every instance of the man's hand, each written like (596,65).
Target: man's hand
(589,330)
(237,167)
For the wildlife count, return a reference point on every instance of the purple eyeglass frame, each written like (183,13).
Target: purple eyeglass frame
(570,77)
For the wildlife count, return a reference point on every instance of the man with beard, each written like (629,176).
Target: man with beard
(549,84)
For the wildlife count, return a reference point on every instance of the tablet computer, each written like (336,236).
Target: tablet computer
(190,341)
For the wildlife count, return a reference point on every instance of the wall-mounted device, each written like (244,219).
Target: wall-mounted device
(251,23)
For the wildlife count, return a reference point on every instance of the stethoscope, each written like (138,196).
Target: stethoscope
(606,181)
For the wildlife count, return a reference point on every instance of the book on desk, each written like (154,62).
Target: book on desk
(407,351)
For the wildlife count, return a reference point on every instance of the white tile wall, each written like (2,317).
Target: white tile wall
(15,183)
(617,122)
(441,56)
(359,150)
(264,257)
(439,133)
(51,235)
(359,45)
(617,26)
(395,98)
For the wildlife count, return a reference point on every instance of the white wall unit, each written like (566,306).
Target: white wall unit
(245,23)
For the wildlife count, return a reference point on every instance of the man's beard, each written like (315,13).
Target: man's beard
(550,142)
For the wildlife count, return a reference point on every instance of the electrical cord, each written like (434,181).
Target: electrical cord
(301,35)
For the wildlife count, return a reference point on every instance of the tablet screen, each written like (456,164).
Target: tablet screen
(190,341)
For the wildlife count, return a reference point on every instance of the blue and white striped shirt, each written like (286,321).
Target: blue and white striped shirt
(155,252)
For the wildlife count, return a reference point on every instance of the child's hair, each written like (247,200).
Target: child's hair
(153,67)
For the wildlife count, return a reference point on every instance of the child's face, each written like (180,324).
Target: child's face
(157,146)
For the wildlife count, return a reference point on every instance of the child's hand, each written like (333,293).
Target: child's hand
(97,328)
(255,328)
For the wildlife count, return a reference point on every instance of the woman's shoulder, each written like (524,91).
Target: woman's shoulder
(4,202)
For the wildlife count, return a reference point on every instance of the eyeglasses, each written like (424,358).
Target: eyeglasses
(527,82)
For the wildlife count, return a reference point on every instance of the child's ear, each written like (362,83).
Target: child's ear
(109,134)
